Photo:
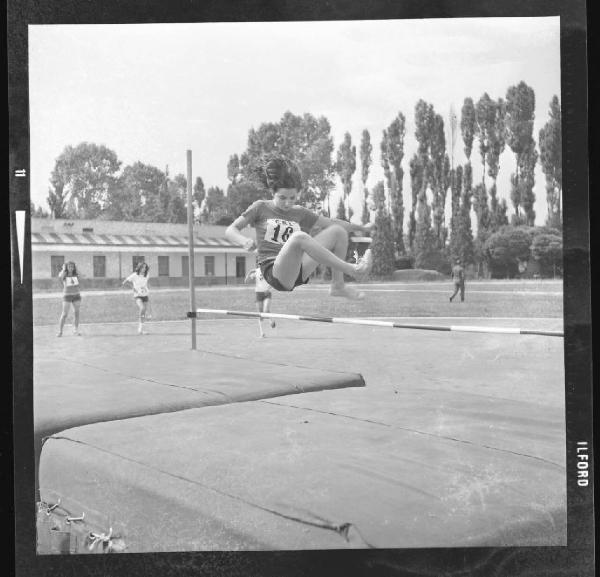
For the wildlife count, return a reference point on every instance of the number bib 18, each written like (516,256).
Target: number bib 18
(279,230)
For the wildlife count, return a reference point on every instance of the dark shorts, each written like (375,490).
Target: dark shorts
(143,299)
(266,267)
(71,298)
(262,295)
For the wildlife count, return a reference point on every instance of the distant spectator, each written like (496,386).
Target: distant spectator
(458,276)
(139,281)
(262,290)
(71,296)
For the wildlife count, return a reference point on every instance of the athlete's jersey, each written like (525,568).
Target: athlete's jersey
(140,284)
(274,226)
(70,284)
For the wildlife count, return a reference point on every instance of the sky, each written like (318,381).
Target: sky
(150,92)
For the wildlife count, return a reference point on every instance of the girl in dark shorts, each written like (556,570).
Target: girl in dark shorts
(287,253)
(71,296)
(139,281)
(262,290)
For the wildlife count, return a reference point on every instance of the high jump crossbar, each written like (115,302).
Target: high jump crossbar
(376,323)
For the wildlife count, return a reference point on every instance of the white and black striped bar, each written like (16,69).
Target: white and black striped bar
(376,323)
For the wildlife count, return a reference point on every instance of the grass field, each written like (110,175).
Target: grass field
(494,299)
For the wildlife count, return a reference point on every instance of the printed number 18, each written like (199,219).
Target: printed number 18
(286,233)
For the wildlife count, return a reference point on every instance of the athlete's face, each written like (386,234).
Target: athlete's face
(70,268)
(285,198)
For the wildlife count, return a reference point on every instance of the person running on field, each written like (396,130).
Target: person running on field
(287,253)
(262,289)
(458,276)
(71,296)
(139,281)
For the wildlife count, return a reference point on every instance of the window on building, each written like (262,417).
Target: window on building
(163,265)
(185,266)
(136,259)
(56,263)
(209,266)
(240,267)
(99,266)
(87,229)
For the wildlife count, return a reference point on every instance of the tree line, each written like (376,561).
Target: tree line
(87,182)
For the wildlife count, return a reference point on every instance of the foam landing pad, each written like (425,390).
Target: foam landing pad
(69,393)
(262,475)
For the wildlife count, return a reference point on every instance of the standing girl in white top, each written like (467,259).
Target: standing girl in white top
(139,281)
(262,290)
(71,296)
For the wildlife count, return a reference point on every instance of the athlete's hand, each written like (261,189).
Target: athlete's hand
(249,244)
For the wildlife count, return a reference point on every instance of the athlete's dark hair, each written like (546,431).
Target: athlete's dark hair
(140,266)
(74,268)
(275,171)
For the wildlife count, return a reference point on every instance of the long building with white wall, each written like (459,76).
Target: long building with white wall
(106,252)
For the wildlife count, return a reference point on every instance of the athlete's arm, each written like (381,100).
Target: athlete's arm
(234,234)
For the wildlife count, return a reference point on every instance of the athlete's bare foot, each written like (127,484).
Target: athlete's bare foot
(347,292)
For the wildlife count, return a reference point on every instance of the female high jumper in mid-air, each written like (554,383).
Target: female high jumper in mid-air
(286,253)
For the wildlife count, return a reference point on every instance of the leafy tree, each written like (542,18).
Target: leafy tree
(176,208)
(82,178)
(240,196)
(550,143)
(215,210)
(233,168)
(547,250)
(507,247)
(365,162)
(198,194)
(382,244)
(135,195)
(346,166)
(56,200)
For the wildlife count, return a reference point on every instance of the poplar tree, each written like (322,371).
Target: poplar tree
(345,167)
(520,113)
(420,166)
(382,244)
(550,142)
(440,179)
(394,154)
(365,162)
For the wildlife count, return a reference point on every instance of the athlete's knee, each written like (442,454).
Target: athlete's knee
(338,230)
(299,238)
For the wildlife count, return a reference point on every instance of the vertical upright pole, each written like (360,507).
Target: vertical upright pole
(190,217)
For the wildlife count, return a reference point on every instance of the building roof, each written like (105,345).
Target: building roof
(128,240)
